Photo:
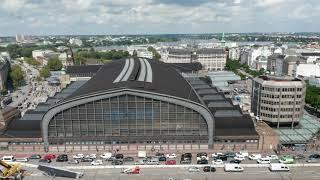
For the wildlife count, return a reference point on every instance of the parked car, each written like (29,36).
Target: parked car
(255,156)
(202,155)
(263,161)
(128,158)
(240,158)
(171,162)
(171,156)
(22,159)
(286,160)
(112,158)
(49,156)
(119,156)
(242,153)
(86,160)
(75,161)
(62,158)
(92,156)
(193,169)
(298,156)
(162,158)
(35,156)
(159,154)
(235,161)
(217,162)
(222,157)
(202,161)
(314,156)
(96,162)
(8,158)
(153,161)
(230,154)
(209,169)
(313,160)
(214,155)
(106,155)
(140,162)
(185,161)
(187,155)
(78,156)
(117,162)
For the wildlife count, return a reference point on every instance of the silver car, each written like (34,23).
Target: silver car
(193,169)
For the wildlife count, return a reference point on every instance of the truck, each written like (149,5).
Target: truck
(233,168)
(142,154)
(278,167)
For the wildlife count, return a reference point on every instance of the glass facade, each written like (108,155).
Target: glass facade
(128,118)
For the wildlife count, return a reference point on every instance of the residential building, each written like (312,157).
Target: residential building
(278,100)
(307,70)
(43,56)
(261,62)
(289,64)
(4,71)
(271,62)
(234,53)
(75,41)
(212,59)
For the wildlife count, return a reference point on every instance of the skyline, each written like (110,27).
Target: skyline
(124,17)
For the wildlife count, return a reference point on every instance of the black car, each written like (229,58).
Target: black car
(209,169)
(222,157)
(119,156)
(45,161)
(159,154)
(117,162)
(235,161)
(35,156)
(86,160)
(202,161)
(128,159)
(162,158)
(314,156)
(202,154)
(112,158)
(189,155)
(62,158)
(230,154)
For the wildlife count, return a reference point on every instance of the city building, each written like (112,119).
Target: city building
(234,53)
(136,103)
(43,56)
(314,80)
(7,115)
(306,70)
(271,62)
(75,41)
(144,54)
(278,100)
(4,71)
(261,62)
(211,59)
(289,64)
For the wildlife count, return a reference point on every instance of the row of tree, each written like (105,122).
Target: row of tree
(81,55)
(53,65)
(313,96)
(235,65)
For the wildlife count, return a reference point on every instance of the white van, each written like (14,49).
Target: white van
(263,161)
(8,158)
(278,167)
(233,168)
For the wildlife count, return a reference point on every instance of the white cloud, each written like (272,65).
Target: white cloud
(12,5)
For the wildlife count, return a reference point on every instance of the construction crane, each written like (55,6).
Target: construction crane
(14,171)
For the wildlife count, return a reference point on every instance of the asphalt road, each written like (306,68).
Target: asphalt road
(310,173)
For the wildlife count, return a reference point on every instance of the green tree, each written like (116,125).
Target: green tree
(32,61)
(54,65)
(17,75)
(155,54)
(44,72)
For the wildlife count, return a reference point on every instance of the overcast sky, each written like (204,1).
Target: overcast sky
(45,17)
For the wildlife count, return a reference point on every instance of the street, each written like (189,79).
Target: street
(310,173)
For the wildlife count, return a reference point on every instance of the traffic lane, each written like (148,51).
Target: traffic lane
(182,173)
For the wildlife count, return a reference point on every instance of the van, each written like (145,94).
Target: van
(263,161)
(8,158)
(233,168)
(278,167)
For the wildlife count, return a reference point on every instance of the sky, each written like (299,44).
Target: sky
(53,17)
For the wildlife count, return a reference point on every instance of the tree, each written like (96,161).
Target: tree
(54,65)
(45,72)
(17,75)
(32,61)
(155,54)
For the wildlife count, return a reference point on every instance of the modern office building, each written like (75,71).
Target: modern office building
(137,103)
(278,100)
(4,71)
(211,59)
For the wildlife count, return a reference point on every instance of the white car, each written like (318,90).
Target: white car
(91,156)
(106,155)
(272,157)
(193,169)
(78,156)
(171,156)
(217,162)
(216,154)
(242,153)
(263,161)
(96,162)
(255,156)
(240,158)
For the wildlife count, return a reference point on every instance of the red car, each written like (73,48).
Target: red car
(49,157)
(171,162)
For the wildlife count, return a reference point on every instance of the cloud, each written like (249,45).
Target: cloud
(156,16)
